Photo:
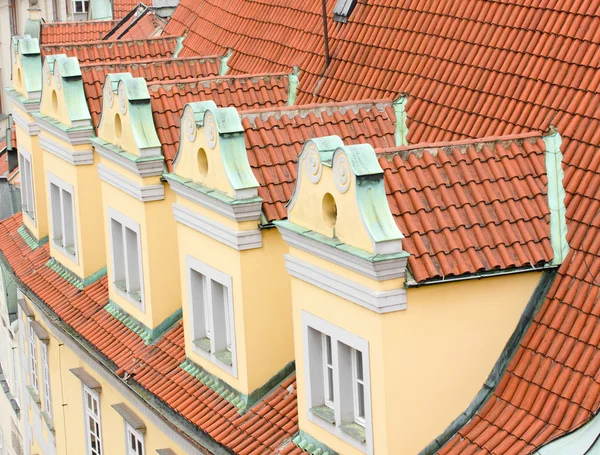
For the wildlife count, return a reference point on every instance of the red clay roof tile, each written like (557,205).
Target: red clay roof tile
(53,33)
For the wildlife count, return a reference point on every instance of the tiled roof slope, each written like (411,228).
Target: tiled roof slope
(157,366)
(104,51)
(274,139)
(122,7)
(241,92)
(146,25)
(75,32)
(470,206)
(94,74)
(471,69)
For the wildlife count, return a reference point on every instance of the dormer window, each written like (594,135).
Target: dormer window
(343,9)
(126,256)
(27,197)
(62,214)
(210,295)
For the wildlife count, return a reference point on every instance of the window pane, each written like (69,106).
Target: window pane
(359,365)
(329,355)
(56,207)
(133,264)
(330,384)
(69,220)
(361,401)
(116,231)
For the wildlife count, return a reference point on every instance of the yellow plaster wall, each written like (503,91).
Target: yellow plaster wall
(427,362)
(88,205)
(160,264)
(307,209)
(53,102)
(39,228)
(261,302)
(68,411)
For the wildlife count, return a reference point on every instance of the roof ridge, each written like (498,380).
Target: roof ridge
(251,77)
(100,42)
(77,23)
(148,61)
(462,144)
(315,108)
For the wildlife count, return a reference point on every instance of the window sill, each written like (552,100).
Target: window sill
(355,430)
(324,413)
(202,343)
(34,395)
(48,421)
(225,356)
(68,252)
(134,297)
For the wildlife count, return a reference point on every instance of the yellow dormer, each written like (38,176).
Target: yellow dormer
(236,295)
(25,95)
(141,235)
(71,177)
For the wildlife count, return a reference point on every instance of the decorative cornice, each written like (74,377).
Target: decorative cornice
(216,201)
(31,128)
(75,136)
(379,267)
(141,193)
(239,240)
(377,301)
(76,159)
(28,106)
(144,167)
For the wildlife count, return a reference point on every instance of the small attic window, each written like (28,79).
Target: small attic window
(343,9)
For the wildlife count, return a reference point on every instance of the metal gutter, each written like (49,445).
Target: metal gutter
(536,300)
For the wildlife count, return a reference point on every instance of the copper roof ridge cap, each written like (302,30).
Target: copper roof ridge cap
(317,108)
(462,144)
(148,61)
(116,41)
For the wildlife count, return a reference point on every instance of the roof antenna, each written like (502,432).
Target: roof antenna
(325,33)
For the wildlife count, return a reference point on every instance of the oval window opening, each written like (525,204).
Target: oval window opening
(202,163)
(329,210)
(118,126)
(54,101)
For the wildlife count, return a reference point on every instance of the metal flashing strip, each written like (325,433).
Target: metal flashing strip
(30,239)
(173,425)
(78,135)
(76,159)
(146,193)
(143,167)
(87,379)
(532,307)
(310,445)
(40,332)
(130,417)
(377,301)
(25,104)
(377,267)
(236,210)
(239,240)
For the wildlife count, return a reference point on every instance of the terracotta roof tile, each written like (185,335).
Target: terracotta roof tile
(242,92)
(155,367)
(53,33)
(110,50)
(139,23)
(274,139)
(122,7)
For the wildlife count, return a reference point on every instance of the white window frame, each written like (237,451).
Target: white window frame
(84,6)
(27,185)
(47,399)
(33,361)
(90,415)
(59,216)
(345,403)
(202,307)
(126,224)
(132,434)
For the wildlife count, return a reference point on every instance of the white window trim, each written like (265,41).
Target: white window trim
(96,418)
(135,227)
(338,335)
(33,361)
(129,431)
(27,184)
(63,186)
(226,281)
(47,397)
(84,6)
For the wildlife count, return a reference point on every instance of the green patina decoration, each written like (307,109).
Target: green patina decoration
(233,148)
(310,445)
(72,277)
(401,127)
(241,401)
(293,86)
(144,332)
(224,68)
(556,198)
(30,239)
(125,154)
(27,50)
